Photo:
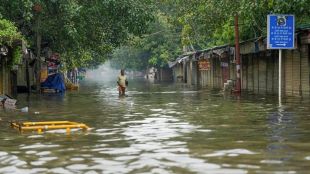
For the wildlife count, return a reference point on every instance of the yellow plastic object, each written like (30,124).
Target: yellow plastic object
(47,125)
(70,85)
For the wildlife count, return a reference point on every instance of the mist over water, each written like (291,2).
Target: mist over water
(104,73)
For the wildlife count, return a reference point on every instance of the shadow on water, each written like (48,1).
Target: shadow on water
(159,128)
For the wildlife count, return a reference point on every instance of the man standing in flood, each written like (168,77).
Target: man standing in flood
(122,83)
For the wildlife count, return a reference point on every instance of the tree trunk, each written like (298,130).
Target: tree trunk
(38,53)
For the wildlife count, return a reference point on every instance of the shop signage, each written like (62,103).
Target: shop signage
(203,65)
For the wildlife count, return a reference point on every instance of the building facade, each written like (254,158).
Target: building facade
(216,67)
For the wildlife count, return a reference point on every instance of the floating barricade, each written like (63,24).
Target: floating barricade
(48,125)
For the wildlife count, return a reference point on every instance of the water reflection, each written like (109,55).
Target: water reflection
(159,129)
(152,145)
(282,130)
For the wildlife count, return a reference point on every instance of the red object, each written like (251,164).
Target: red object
(37,7)
(55,56)
(204,65)
(121,90)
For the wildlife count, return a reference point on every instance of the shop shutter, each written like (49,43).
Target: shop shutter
(288,72)
(250,74)
(305,68)
(275,56)
(219,74)
(270,72)
(262,73)
(256,73)
(244,73)
(296,72)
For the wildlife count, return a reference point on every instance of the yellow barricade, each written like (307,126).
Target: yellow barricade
(47,125)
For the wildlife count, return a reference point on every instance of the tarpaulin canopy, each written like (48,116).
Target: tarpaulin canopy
(54,81)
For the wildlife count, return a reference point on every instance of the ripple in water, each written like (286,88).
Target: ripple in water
(231,152)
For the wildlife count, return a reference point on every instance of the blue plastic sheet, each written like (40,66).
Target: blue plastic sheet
(54,81)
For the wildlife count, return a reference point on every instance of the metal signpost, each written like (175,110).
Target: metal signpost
(280,35)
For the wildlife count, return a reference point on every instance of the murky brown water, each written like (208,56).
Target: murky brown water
(159,128)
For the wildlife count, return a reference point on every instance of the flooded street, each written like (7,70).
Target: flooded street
(159,128)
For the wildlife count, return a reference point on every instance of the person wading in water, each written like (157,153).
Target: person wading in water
(122,83)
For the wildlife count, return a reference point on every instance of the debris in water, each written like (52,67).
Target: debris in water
(24,109)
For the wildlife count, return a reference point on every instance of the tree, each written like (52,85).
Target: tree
(161,44)
(83,32)
(206,23)
(8,35)
(184,25)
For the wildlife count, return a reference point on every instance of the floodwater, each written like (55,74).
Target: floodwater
(159,128)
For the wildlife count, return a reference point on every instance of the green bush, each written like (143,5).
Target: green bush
(8,33)
(16,57)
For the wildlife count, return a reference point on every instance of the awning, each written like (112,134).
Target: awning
(178,60)
(172,64)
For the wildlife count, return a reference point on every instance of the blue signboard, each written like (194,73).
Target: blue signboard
(280,31)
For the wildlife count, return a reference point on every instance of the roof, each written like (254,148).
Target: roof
(220,49)
(303,27)
(178,60)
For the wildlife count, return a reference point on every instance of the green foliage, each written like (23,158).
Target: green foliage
(16,57)
(83,32)
(8,33)
(142,33)
(154,49)
(222,36)
(206,23)
(191,25)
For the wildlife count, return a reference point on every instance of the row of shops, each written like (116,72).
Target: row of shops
(8,74)
(216,67)
(25,75)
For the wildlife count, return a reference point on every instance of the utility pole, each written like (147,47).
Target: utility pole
(237,53)
(38,52)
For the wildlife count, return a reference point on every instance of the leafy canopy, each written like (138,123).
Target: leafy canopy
(83,32)
(8,33)
(142,33)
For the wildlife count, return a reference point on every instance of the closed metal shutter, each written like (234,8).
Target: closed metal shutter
(305,70)
(244,71)
(296,72)
(256,73)
(288,72)
(250,74)
(270,72)
(262,73)
(275,55)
